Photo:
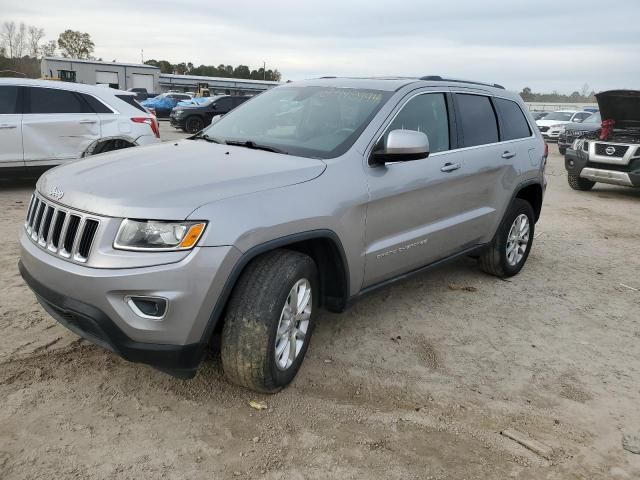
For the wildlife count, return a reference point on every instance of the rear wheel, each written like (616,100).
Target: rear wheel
(510,247)
(578,183)
(193,124)
(269,321)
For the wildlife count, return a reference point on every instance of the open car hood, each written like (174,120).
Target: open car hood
(622,106)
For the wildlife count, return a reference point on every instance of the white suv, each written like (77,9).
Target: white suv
(45,123)
(551,125)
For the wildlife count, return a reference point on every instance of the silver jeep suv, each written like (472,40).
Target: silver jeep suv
(309,195)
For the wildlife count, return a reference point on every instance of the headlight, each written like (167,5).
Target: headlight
(178,113)
(158,235)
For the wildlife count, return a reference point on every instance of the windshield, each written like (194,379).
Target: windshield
(595,118)
(561,116)
(318,122)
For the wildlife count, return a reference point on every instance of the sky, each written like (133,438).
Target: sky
(541,44)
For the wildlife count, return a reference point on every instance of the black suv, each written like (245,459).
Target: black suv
(194,118)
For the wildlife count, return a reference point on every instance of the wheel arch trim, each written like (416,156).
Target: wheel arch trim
(254,252)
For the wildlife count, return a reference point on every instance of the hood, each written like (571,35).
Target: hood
(548,123)
(582,127)
(622,106)
(170,180)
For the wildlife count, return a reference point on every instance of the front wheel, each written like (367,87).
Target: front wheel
(578,183)
(193,124)
(510,247)
(269,321)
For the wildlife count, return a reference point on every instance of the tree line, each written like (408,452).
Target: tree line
(585,95)
(226,71)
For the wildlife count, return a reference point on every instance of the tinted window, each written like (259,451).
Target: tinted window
(224,104)
(425,113)
(477,119)
(581,116)
(595,118)
(8,100)
(513,123)
(239,100)
(95,104)
(131,100)
(50,100)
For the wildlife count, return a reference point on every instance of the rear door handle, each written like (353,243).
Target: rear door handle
(8,125)
(84,122)
(508,154)
(450,167)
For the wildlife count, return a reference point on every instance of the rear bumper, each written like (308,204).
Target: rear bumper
(94,325)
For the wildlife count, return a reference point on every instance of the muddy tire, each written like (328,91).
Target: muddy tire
(508,251)
(269,321)
(578,183)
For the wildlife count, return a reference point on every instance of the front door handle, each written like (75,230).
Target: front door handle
(450,167)
(508,154)
(85,122)
(8,125)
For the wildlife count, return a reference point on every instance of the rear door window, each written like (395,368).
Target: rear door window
(51,100)
(8,100)
(477,119)
(224,104)
(513,124)
(131,100)
(95,104)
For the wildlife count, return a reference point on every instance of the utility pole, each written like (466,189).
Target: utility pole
(142,55)
(264,70)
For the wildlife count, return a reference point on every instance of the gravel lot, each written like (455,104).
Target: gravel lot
(416,381)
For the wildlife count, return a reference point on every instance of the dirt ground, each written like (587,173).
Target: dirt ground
(414,382)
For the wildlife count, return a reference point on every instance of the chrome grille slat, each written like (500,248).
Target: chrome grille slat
(60,231)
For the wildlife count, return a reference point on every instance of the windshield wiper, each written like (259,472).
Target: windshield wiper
(206,137)
(254,146)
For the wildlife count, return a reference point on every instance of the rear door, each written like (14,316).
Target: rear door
(11,154)
(492,154)
(58,126)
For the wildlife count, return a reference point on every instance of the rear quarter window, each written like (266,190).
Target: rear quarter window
(131,100)
(513,123)
(95,104)
(477,119)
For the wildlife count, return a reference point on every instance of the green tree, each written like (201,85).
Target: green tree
(75,44)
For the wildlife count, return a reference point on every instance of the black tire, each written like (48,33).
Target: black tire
(562,150)
(494,259)
(253,316)
(193,124)
(578,183)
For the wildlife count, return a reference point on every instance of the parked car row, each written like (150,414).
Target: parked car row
(551,125)
(45,123)
(193,118)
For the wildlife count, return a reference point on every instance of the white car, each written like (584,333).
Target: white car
(551,125)
(45,123)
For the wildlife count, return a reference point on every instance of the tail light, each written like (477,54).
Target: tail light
(607,129)
(151,121)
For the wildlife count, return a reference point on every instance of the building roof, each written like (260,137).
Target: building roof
(97,62)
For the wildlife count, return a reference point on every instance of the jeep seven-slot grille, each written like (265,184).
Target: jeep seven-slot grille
(59,230)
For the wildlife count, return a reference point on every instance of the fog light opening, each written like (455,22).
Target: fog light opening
(153,308)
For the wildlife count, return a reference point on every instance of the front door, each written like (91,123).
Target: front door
(420,211)
(11,154)
(57,126)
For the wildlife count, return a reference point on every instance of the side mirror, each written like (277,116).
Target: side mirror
(578,120)
(402,146)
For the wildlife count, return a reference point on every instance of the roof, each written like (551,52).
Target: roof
(76,87)
(98,62)
(395,83)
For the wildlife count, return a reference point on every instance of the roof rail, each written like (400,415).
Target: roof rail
(438,78)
